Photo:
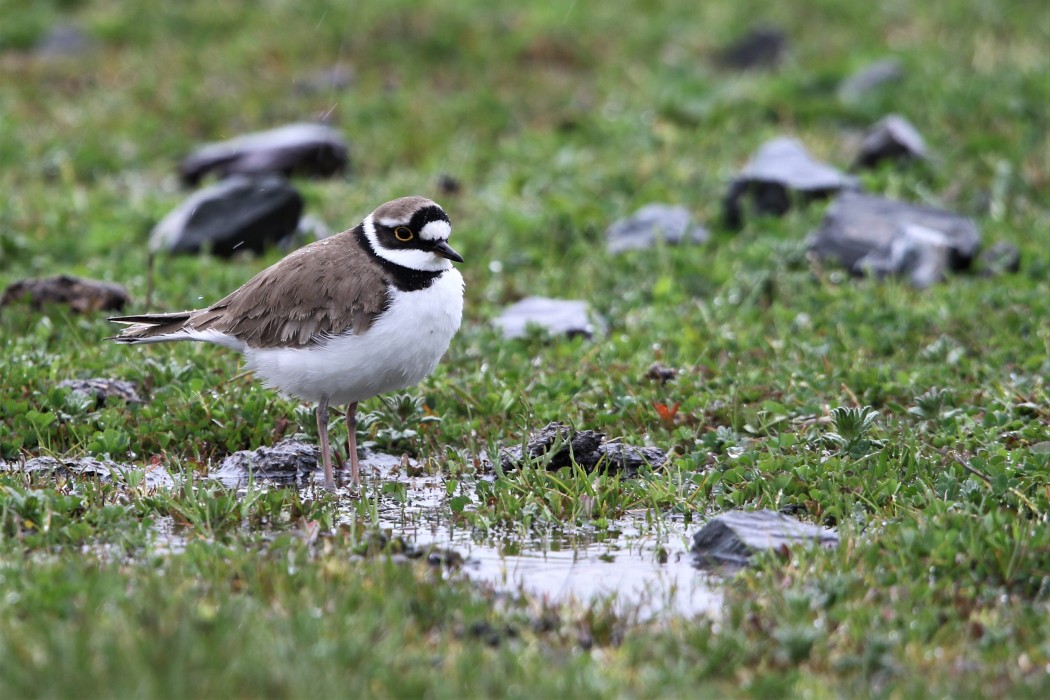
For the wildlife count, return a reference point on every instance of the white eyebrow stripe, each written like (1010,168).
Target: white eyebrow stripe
(390,223)
(436,231)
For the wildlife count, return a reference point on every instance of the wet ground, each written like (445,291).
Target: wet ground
(641,565)
(644,565)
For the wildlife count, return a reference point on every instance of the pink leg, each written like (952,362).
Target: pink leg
(326,456)
(351,443)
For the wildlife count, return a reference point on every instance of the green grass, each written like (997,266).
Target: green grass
(917,423)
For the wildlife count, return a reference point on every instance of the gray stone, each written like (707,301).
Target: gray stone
(869,79)
(239,213)
(558,445)
(892,137)
(916,252)
(63,40)
(654,222)
(79,294)
(869,234)
(779,175)
(999,259)
(106,470)
(287,461)
(100,389)
(733,537)
(762,46)
(296,149)
(556,316)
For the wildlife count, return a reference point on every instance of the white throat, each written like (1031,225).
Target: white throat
(412,258)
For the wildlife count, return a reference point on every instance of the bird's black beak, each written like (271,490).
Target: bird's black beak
(445,250)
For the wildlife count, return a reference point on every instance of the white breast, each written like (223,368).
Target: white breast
(402,347)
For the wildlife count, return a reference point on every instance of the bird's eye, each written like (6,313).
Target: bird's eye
(403,234)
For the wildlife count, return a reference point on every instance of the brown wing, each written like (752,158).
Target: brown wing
(322,289)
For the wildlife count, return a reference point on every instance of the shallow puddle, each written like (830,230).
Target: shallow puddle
(645,567)
(642,567)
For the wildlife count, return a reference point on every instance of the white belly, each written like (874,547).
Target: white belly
(402,347)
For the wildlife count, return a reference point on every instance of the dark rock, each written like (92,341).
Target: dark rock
(556,316)
(733,537)
(240,213)
(107,471)
(300,149)
(892,137)
(449,185)
(865,233)
(63,40)
(629,458)
(101,389)
(999,259)
(558,445)
(660,373)
(870,78)
(439,557)
(653,222)
(780,174)
(287,461)
(760,47)
(81,295)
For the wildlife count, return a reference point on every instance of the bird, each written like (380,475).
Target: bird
(364,312)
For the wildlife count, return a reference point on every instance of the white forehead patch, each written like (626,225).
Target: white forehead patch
(436,231)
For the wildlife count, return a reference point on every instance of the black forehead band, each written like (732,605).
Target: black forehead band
(427,214)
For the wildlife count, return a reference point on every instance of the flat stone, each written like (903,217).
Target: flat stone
(63,40)
(240,213)
(100,389)
(289,460)
(891,138)
(652,223)
(919,253)
(296,149)
(81,295)
(559,445)
(556,316)
(106,470)
(733,537)
(869,234)
(762,46)
(779,175)
(870,78)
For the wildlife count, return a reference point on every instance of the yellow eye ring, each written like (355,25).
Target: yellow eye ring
(403,234)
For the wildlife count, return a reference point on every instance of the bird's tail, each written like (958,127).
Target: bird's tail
(152,328)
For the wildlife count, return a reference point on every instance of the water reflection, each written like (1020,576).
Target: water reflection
(644,566)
